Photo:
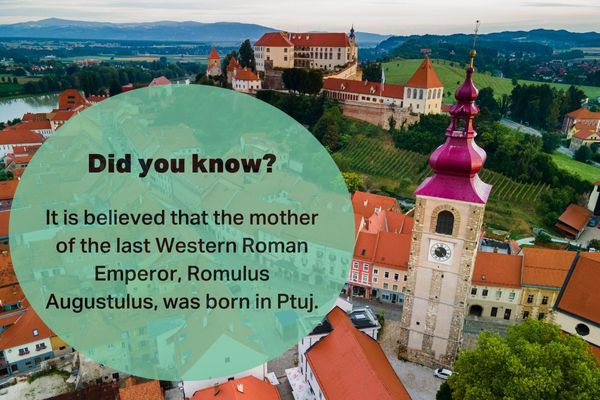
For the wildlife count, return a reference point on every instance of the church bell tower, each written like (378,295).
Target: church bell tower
(448,225)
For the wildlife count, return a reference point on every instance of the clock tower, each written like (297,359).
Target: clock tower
(448,224)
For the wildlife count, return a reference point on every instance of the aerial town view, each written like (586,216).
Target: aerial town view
(470,148)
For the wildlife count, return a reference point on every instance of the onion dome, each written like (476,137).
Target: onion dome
(456,162)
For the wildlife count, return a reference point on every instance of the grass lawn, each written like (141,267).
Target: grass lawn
(585,171)
(400,71)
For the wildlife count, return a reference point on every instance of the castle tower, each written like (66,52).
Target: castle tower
(448,224)
(214,63)
(424,91)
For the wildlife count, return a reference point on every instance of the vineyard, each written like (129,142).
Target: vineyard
(376,158)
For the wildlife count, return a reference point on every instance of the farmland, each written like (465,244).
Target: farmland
(585,171)
(452,75)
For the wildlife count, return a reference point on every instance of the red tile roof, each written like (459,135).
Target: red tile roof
(233,64)
(150,390)
(161,80)
(586,134)
(4,220)
(7,272)
(365,246)
(545,267)
(245,75)
(425,76)
(580,294)
(96,99)
(246,388)
(20,136)
(348,364)
(11,294)
(393,250)
(22,331)
(365,203)
(584,113)
(364,87)
(214,55)
(320,39)
(8,189)
(576,217)
(62,115)
(274,39)
(32,125)
(34,117)
(398,222)
(71,98)
(496,269)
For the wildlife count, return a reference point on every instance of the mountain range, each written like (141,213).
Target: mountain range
(187,31)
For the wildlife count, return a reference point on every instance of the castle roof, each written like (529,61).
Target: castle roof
(214,55)
(364,87)
(425,77)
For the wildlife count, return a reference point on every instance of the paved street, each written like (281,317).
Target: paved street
(519,127)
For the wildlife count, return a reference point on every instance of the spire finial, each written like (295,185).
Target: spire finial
(473,52)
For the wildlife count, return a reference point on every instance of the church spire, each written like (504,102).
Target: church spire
(456,163)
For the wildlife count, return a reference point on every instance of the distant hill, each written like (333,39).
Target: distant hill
(557,39)
(217,32)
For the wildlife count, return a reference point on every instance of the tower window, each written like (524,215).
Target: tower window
(445,223)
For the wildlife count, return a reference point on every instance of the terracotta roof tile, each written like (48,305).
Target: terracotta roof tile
(245,75)
(8,189)
(584,113)
(4,219)
(545,267)
(393,250)
(365,246)
(274,39)
(389,90)
(64,115)
(19,136)
(366,203)
(161,80)
(214,55)
(575,216)
(580,295)
(24,331)
(348,364)
(320,39)
(233,64)
(497,269)
(150,390)
(253,389)
(425,76)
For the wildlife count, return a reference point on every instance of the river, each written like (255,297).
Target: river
(16,107)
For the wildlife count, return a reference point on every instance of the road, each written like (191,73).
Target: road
(519,127)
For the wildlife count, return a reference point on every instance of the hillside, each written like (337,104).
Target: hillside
(451,75)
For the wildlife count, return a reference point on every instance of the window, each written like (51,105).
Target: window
(375,271)
(396,277)
(405,278)
(23,351)
(484,292)
(507,314)
(498,294)
(494,312)
(386,274)
(375,279)
(445,223)
(545,300)
(530,299)
(511,296)
(354,276)
(473,291)
(385,285)
(40,346)
(365,267)
(365,278)
(395,288)
(421,94)
(525,314)
(541,316)
(355,265)
(35,332)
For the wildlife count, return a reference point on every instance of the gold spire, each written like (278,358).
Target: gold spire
(473,52)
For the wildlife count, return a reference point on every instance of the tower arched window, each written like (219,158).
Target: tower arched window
(420,94)
(408,93)
(445,223)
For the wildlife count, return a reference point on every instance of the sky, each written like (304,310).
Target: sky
(378,16)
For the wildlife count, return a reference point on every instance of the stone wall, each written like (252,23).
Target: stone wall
(378,114)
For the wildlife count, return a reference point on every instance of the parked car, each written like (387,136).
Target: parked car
(442,373)
(593,222)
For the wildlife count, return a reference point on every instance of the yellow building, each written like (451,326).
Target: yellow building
(543,274)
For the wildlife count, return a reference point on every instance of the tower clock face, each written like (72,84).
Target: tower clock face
(440,252)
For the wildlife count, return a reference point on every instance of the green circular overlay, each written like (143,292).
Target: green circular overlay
(172,296)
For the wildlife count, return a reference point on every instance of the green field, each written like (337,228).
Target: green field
(400,71)
(396,171)
(585,171)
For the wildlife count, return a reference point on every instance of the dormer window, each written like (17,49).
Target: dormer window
(35,332)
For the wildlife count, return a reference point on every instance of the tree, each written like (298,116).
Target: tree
(372,72)
(504,105)
(353,181)
(536,361)
(115,88)
(594,243)
(488,105)
(444,392)
(246,54)
(583,154)
(302,80)
(550,142)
